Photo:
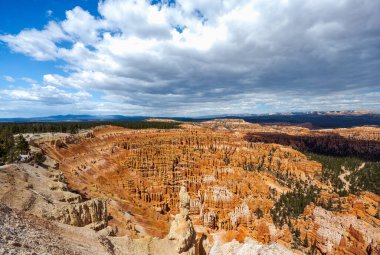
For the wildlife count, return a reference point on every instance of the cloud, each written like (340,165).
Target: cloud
(228,56)
(48,95)
(9,78)
(39,44)
(29,80)
(49,13)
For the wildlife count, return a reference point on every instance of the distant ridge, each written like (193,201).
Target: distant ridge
(72,117)
(315,119)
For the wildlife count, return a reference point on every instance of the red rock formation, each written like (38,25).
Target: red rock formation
(144,169)
(227,178)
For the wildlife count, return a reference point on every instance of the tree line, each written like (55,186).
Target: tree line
(74,127)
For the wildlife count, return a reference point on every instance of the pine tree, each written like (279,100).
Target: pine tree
(297,233)
(305,242)
(259,213)
(22,145)
(39,158)
(329,204)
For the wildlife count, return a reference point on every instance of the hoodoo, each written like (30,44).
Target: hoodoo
(181,228)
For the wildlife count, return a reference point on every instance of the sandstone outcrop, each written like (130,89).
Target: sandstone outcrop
(24,233)
(339,233)
(181,229)
(43,192)
(92,212)
(249,246)
(21,234)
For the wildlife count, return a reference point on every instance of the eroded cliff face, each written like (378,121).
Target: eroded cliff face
(23,233)
(361,142)
(231,187)
(227,178)
(353,229)
(366,133)
(92,212)
(44,193)
(34,200)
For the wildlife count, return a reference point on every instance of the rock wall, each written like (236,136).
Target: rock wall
(92,212)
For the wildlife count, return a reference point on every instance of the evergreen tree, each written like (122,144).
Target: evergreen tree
(305,242)
(329,205)
(39,158)
(297,233)
(22,145)
(6,145)
(259,213)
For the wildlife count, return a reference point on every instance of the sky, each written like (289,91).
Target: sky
(188,58)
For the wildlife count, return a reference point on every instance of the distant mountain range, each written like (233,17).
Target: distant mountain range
(71,117)
(316,119)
